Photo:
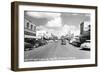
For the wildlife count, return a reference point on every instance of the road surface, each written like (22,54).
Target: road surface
(56,51)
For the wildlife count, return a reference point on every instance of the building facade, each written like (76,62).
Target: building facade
(84,27)
(85,31)
(29,29)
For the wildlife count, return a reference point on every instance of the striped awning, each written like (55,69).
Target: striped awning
(29,36)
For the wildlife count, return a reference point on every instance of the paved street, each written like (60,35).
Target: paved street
(55,51)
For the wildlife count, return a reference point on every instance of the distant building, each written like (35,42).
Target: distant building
(29,29)
(85,31)
(40,33)
(84,27)
(81,28)
(43,34)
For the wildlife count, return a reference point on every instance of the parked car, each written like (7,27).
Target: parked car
(30,40)
(75,41)
(36,42)
(28,46)
(63,42)
(40,42)
(86,45)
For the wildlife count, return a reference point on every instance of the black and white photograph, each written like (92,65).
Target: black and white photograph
(56,36)
(51,36)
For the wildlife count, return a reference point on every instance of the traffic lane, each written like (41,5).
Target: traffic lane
(69,51)
(76,52)
(41,52)
(56,50)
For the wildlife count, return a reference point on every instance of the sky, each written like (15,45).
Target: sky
(57,23)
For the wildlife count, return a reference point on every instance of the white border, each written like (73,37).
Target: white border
(23,64)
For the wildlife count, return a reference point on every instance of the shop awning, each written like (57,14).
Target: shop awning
(29,36)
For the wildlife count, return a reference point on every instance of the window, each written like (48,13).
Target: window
(34,28)
(31,27)
(28,25)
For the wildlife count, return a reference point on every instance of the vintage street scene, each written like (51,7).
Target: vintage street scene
(54,36)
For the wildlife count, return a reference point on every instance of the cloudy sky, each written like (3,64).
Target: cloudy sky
(57,23)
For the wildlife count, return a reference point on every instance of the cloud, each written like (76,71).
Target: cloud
(45,18)
(42,14)
(56,22)
(70,28)
(40,28)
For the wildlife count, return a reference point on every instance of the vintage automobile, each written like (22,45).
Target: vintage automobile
(27,46)
(75,41)
(36,42)
(63,42)
(86,45)
(40,42)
